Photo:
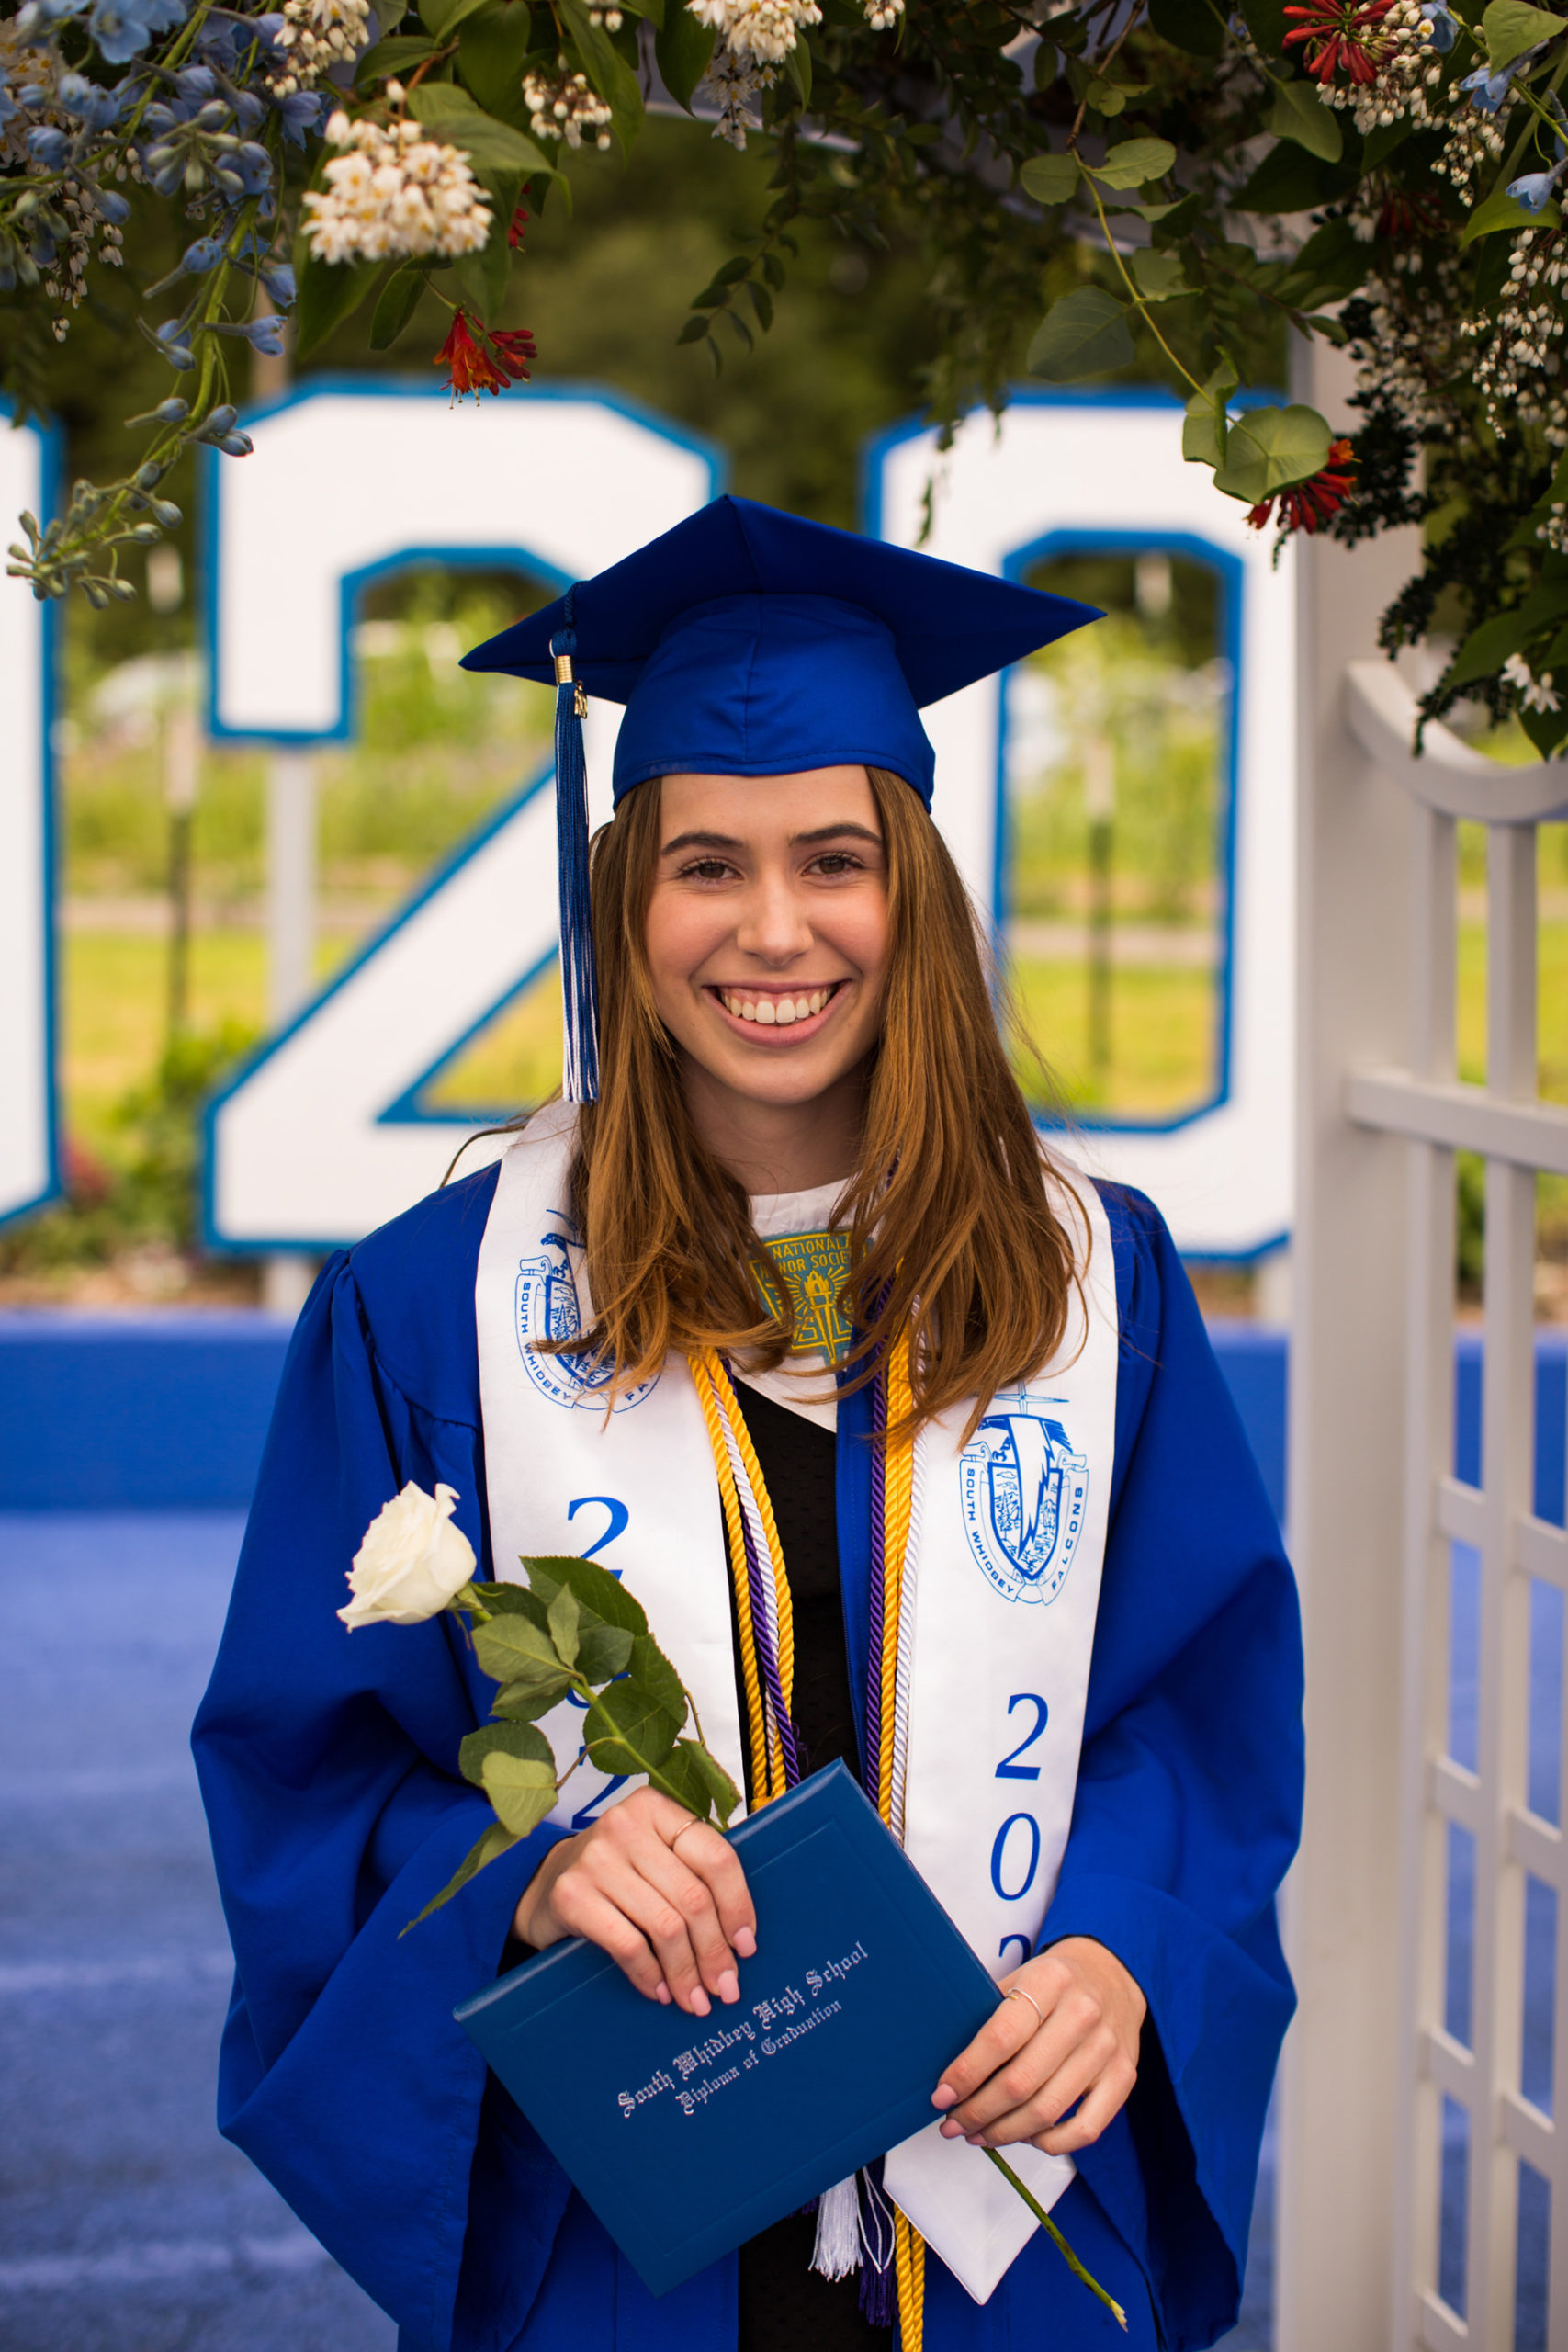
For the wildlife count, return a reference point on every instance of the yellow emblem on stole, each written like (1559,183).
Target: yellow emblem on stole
(815,1267)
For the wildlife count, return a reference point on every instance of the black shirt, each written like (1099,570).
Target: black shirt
(785,2306)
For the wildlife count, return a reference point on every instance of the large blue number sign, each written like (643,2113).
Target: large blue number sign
(29,1156)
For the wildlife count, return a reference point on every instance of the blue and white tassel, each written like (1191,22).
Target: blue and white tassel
(579,978)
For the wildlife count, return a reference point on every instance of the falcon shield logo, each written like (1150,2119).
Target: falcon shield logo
(546,1308)
(1023,1493)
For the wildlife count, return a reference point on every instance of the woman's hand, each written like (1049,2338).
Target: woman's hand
(1074,2036)
(658,1890)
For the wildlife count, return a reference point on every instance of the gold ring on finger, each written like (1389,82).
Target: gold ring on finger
(1018,1993)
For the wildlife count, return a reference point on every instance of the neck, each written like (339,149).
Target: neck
(779,1147)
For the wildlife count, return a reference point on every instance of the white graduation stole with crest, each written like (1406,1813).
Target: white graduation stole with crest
(1010,1544)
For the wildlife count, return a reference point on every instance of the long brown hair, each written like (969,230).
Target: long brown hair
(951,1227)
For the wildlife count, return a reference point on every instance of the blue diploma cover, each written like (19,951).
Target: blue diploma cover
(688,2135)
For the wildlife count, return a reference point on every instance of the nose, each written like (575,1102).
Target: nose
(773,925)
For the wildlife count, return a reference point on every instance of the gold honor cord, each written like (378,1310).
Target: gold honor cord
(726,1423)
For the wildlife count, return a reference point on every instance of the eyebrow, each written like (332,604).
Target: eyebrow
(797,841)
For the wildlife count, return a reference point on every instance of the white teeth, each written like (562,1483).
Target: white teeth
(781,1011)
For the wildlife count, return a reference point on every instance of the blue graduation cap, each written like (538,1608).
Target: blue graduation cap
(747,642)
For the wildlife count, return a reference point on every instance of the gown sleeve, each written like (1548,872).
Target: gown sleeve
(328,1768)
(1189,1798)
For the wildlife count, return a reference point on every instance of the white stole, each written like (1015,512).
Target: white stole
(1007,1583)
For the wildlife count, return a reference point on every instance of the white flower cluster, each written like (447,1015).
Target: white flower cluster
(317,34)
(1407,67)
(1475,143)
(66,282)
(1411,354)
(1518,368)
(563,105)
(1536,693)
(735,80)
(759,28)
(1553,532)
(394,191)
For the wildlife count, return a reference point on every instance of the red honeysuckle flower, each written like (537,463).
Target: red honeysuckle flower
(1347,34)
(1402,216)
(1307,504)
(499,358)
(519,223)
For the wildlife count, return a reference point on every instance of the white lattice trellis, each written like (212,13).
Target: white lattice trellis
(1484,1796)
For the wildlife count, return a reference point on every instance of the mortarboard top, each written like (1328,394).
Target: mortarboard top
(748,642)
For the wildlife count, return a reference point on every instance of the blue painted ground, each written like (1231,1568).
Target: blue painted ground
(126,2223)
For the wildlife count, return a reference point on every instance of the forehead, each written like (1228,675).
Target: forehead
(767,807)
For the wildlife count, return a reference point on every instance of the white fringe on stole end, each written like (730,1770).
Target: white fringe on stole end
(837,2251)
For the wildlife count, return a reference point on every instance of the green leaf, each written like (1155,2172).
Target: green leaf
(452,114)
(603,1651)
(504,1739)
(524,1701)
(1510,26)
(1265,21)
(683,48)
(1546,728)
(1190,25)
(604,66)
(797,65)
(443,17)
(1381,140)
(1487,648)
(490,58)
(564,1617)
(512,1600)
(398,301)
(521,1789)
(598,1591)
(1500,210)
(1085,333)
(694,331)
(1050,179)
(1270,449)
(762,302)
(652,1669)
(719,1788)
(1299,114)
(1160,275)
(497,1841)
(1105,98)
(329,292)
(1204,429)
(483,277)
(1135,163)
(627,1731)
(399,55)
(513,1649)
(1290,180)
(1168,223)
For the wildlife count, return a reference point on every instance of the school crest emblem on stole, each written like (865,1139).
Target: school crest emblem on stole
(1023,1492)
(546,1308)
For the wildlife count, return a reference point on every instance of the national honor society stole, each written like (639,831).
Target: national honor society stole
(1000,1589)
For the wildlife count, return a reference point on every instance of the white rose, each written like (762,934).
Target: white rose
(411,1562)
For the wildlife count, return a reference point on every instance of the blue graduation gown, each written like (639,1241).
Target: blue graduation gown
(328,1768)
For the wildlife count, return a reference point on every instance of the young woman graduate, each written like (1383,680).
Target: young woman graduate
(909,1442)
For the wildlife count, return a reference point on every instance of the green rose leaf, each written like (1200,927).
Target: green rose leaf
(710,1785)
(521,1789)
(652,1669)
(398,301)
(1135,163)
(504,1739)
(684,48)
(1500,210)
(512,1600)
(599,1593)
(329,292)
(564,1617)
(1299,114)
(1159,274)
(603,1651)
(1510,26)
(514,1649)
(1085,333)
(627,1730)
(524,1701)
(1050,179)
(497,1841)
(1270,449)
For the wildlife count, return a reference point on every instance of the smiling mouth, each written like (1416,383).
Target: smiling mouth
(776,1008)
